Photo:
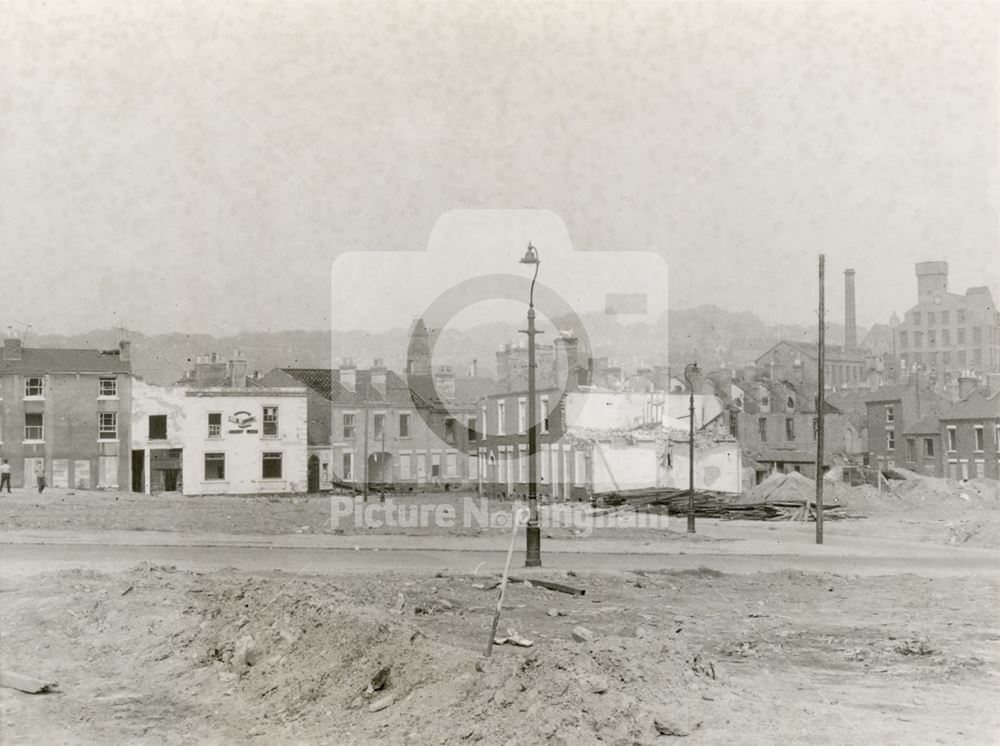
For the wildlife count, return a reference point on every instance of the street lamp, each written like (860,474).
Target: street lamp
(533,537)
(691,370)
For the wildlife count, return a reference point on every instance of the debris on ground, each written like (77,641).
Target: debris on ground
(26,684)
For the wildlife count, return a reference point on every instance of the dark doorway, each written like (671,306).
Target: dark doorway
(313,476)
(138,471)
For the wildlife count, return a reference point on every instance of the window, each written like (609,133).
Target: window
(404,426)
(790,403)
(762,429)
(815,428)
(890,414)
(918,339)
(215,424)
(734,424)
(270,422)
(545,414)
(378,426)
(946,357)
(961,315)
(405,459)
(33,387)
(270,466)
(932,338)
(961,357)
(996,437)
(979,438)
(348,463)
(348,426)
(916,318)
(449,430)
(911,448)
(34,426)
(108,387)
(451,465)
(977,357)
(903,340)
(501,416)
(522,415)
(107,426)
(157,427)
(952,439)
(435,464)
(522,464)
(215,467)
(977,335)
(945,317)
(890,440)
(961,336)
(789,428)
(472,435)
(945,337)
(928,446)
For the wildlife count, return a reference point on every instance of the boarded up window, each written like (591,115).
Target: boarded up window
(157,427)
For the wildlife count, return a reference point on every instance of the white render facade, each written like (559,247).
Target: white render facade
(218,441)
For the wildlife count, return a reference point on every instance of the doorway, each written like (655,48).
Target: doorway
(138,471)
(313,474)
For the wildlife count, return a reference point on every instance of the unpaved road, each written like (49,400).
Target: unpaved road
(24,558)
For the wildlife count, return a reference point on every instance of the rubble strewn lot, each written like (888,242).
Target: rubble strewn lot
(157,655)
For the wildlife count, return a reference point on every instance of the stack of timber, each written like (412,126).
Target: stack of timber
(672,501)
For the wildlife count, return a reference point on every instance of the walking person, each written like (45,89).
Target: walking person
(40,475)
(5,475)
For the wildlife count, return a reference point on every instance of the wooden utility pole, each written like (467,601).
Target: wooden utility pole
(820,405)
(364,409)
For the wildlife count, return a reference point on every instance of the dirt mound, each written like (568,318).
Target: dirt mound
(781,488)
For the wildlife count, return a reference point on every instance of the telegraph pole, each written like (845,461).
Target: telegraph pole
(365,492)
(820,405)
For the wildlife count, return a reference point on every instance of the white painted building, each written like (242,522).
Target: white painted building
(219,440)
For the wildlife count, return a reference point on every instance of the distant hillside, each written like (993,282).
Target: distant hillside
(709,335)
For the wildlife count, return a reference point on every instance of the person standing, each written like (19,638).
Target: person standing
(5,475)
(40,475)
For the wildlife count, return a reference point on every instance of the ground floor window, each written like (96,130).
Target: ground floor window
(107,426)
(348,467)
(271,466)
(34,426)
(215,466)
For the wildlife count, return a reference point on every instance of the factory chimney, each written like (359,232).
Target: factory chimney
(850,318)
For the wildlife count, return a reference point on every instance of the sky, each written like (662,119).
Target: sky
(199,167)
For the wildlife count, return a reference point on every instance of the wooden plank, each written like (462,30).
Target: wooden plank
(549,585)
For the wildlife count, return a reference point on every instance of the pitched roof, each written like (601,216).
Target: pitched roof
(893,392)
(926,426)
(319,380)
(57,360)
(976,406)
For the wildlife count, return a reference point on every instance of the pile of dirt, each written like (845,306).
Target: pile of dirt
(313,655)
(781,488)
(388,660)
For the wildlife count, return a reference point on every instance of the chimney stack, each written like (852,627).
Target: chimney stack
(444,382)
(348,375)
(378,376)
(850,318)
(12,347)
(125,351)
(237,371)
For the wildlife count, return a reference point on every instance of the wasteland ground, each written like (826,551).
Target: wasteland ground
(159,654)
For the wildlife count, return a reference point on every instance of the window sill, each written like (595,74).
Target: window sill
(32,442)
(33,398)
(108,398)
(107,440)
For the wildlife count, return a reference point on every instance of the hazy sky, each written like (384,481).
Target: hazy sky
(190,166)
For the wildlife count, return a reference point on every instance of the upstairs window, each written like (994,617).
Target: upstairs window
(980,443)
(789,428)
(952,439)
(378,426)
(348,426)
(270,422)
(762,429)
(472,435)
(215,424)
(890,415)
(34,426)
(108,387)
(34,387)
(449,430)
(890,440)
(157,427)
(107,426)
(928,446)
(545,413)
(404,426)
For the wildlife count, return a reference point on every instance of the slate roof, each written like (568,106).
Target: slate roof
(56,360)
(319,380)
(925,426)
(893,392)
(976,406)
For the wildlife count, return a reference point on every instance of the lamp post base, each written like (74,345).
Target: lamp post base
(533,553)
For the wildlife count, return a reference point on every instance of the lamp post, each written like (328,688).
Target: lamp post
(691,370)
(533,537)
